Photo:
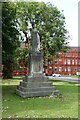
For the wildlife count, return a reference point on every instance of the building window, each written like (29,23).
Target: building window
(76,62)
(55,69)
(72,54)
(50,69)
(56,62)
(73,62)
(64,61)
(50,62)
(68,54)
(65,69)
(76,55)
(60,60)
(68,69)
(60,69)
(68,62)
(64,54)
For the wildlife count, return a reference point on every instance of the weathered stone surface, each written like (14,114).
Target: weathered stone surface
(35,64)
(33,86)
(35,41)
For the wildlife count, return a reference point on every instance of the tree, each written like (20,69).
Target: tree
(49,21)
(10,39)
(23,17)
(21,55)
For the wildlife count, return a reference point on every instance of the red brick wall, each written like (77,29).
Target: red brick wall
(66,64)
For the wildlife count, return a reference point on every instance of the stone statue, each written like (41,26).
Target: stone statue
(35,84)
(35,41)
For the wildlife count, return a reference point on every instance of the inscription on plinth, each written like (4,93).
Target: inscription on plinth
(35,63)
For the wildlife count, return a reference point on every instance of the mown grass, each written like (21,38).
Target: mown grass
(63,106)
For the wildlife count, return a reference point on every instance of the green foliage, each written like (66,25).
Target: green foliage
(48,20)
(9,37)
(21,55)
(45,17)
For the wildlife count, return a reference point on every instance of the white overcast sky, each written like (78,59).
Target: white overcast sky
(70,12)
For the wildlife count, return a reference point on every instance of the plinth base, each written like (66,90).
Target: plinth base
(35,86)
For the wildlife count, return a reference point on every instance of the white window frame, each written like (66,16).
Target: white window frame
(68,62)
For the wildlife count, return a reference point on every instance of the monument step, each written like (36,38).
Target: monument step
(36,79)
(37,74)
(28,89)
(33,84)
(33,94)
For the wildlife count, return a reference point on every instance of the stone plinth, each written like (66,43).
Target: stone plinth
(35,63)
(36,85)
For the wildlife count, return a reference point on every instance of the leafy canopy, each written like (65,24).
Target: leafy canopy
(48,20)
(23,17)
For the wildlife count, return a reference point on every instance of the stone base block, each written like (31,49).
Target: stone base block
(35,86)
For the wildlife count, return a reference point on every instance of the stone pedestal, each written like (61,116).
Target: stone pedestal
(35,84)
(35,63)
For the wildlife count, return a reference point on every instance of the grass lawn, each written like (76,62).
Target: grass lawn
(65,106)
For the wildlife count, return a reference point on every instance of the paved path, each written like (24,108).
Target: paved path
(67,79)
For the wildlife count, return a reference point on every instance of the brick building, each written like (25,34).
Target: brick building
(67,64)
